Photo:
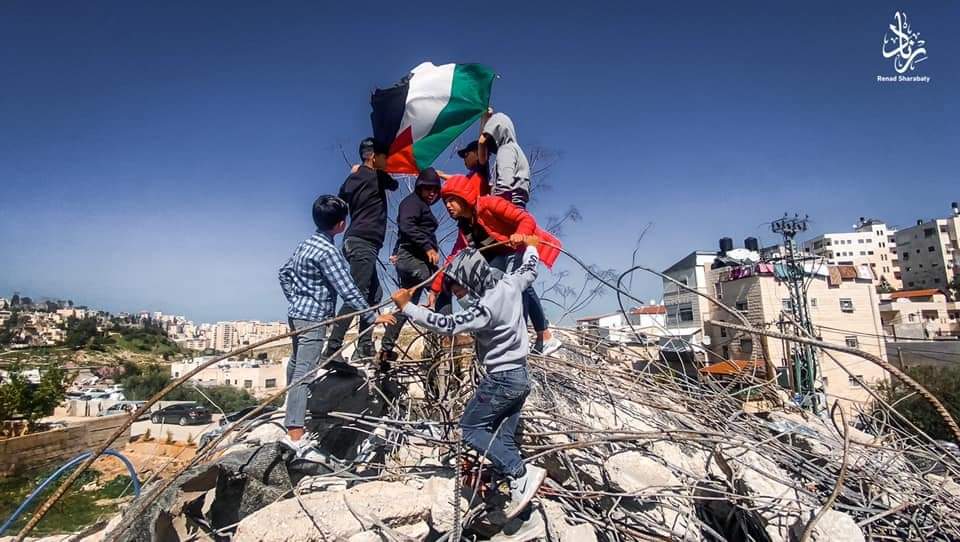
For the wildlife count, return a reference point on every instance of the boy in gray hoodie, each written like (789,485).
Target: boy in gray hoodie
(494,316)
(510,177)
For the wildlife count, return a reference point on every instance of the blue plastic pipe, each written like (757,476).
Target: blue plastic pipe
(66,466)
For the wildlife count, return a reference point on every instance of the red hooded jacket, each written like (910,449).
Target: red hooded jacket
(498,217)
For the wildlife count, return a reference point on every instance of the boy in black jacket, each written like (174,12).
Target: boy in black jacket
(365,191)
(417,248)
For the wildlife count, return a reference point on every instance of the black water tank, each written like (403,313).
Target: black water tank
(726,245)
(751,243)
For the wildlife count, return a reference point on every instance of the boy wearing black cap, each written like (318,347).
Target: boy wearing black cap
(365,191)
(417,248)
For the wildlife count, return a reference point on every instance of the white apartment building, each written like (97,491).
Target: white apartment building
(929,252)
(225,337)
(649,320)
(686,311)
(871,243)
(260,378)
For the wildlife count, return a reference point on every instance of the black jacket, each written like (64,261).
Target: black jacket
(417,227)
(366,193)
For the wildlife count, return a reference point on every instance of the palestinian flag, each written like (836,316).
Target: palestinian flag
(429,109)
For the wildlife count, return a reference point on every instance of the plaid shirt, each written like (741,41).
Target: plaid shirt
(314,276)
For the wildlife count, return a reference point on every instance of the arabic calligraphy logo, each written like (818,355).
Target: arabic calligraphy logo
(907,49)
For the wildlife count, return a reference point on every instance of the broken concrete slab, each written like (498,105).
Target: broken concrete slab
(832,527)
(634,472)
(337,515)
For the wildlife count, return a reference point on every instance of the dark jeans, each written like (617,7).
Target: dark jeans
(410,272)
(306,355)
(362,257)
(532,308)
(498,400)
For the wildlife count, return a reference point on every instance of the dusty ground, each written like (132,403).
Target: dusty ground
(147,458)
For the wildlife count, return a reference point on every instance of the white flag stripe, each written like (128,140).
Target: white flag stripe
(428,94)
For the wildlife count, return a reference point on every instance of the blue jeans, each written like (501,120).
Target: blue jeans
(532,308)
(498,400)
(307,348)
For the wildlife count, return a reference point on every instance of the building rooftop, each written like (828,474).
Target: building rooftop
(909,294)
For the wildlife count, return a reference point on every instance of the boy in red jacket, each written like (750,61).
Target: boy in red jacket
(487,220)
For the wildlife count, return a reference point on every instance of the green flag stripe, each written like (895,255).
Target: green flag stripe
(469,98)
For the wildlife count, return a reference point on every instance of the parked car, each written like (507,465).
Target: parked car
(182,414)
(231,419)
(124,407)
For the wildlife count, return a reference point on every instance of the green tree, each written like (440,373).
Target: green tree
(143,382)
(943,382)
(9,328)
(21,399)
(81,332)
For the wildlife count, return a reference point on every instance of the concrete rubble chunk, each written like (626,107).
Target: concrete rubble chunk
(559,529)
(633,472)
(326,515)
(832,527)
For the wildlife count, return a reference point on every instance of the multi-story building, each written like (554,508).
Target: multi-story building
(930,253)
(686,311)
(225,337)
(636,327)
(919,314)
(258,377)
(843,307)
(871,243)
(843,312)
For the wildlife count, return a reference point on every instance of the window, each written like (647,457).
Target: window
(929,232)
(936,281)
(742,305)
(906,256)
(682,312)
(726,352)
(911,283)
(852,341)
(855,380)
(911,317)
(718,290)
(931,249)
(813,302)
(870,253)
(270,383)
(860,241)
(176,374)
(787,304)
(723,332)
(248,384)
(746,345)
(846,304)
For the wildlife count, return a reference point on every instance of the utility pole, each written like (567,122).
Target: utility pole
(806,370)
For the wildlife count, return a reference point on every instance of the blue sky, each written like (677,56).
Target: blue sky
(165,156)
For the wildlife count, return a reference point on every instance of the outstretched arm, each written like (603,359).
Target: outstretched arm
(474,318)
(527,272)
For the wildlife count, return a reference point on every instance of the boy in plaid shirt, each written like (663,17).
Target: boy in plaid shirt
(311,280)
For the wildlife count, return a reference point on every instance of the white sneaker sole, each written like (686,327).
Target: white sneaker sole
(511,513)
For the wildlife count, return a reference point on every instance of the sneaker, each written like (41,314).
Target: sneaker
(523,489)
(550,346)
(537,347)
(296,446)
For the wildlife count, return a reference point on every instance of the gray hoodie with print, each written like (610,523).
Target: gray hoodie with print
(511,175)
(495,318)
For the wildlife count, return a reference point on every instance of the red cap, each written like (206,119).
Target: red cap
(462,187)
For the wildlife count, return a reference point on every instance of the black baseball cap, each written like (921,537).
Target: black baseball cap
(471,147)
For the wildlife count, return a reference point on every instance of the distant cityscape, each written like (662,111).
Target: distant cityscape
(44,323)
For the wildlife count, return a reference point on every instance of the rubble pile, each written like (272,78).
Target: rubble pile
(634,451)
